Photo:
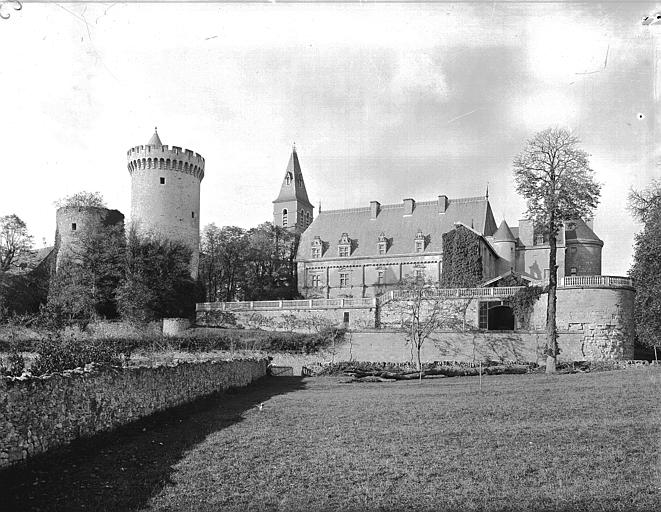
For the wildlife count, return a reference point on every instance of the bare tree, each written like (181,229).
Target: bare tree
(14,241)
(555,178)
(424,309)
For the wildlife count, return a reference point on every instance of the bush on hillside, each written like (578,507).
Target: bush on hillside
(57,354)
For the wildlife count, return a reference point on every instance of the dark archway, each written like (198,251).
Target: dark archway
(501,318)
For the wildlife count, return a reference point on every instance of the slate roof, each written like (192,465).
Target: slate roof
(580,233)
(295,189)
(504,234)
(155,139)
(400,230)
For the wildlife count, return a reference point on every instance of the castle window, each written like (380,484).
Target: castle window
(419,274)
(572,271)
(380,277)
(317,246)
(284,218)
(315,280)
(344,246)
(382,244)
(419,241)
(192,214)
(73,226)
(344,279)
(573,249)
(539,240)
(162,180)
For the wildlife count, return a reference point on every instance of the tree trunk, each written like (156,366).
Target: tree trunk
(551,331)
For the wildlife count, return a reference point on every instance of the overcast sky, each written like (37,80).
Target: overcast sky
(384,102)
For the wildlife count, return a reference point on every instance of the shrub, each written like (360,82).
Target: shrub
(15,365)
(56,354)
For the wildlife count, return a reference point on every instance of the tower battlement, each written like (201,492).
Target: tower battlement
(165,193)
(171,158)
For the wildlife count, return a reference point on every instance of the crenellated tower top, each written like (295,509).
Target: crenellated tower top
(155,155)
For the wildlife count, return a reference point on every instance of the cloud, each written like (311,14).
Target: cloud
(417,72)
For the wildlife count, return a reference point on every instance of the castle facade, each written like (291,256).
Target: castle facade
(366,251)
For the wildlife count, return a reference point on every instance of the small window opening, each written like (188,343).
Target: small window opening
(192,214)
(162,180)
(73,226)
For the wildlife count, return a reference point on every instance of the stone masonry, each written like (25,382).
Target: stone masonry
(39,413)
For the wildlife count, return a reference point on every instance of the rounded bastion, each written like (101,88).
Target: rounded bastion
(165,193)
(74,223)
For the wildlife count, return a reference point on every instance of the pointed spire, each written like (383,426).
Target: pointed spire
(487,194)
(293,186)
(504,233)
(155,139)
(293,148)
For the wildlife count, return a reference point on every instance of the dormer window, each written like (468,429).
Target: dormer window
(344,246)
(382,244)
(316,247)
(419,241)
(288,179)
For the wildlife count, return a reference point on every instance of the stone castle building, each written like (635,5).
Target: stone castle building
(165,193)
(366,251)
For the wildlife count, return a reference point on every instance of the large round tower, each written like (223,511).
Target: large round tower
(165,193)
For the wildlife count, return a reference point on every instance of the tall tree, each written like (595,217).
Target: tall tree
(554,176)
(223,264)
(156,282)
(15,241)
(646,269)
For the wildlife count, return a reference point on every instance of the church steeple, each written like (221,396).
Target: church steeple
(292,208)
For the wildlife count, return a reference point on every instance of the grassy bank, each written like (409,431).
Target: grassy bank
(527,442)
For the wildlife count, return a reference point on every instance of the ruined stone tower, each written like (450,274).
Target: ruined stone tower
(292,209)
(165,193)
(75,223)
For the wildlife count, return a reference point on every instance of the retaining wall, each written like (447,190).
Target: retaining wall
(39,413)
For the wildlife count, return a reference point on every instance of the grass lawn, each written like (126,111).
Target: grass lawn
(527,442)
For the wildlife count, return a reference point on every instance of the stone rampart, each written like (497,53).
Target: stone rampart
(39,413)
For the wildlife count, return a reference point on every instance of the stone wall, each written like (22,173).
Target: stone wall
(298,320)
(601,317)
(39,413)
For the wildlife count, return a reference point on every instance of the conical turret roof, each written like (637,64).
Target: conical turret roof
(155,139)
(293,186)
(504,233)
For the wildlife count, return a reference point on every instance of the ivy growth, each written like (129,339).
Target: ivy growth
(523,301)
(462,259)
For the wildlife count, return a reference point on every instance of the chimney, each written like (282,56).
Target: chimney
(375,206)
(526,232)
(442,204)
(409,204)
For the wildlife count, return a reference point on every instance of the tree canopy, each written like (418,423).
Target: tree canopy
(82,199)
(15,241)
(646,269)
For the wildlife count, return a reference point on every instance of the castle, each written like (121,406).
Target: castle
(364,252)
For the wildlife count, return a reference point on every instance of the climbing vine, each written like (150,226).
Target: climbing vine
(523,301)
(462,259)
